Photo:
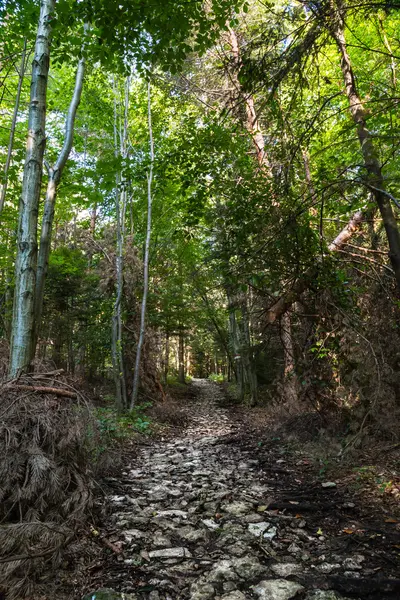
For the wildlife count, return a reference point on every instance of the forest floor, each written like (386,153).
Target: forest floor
(219,511)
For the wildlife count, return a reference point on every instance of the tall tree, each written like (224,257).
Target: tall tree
(374,180)
(22,334)
(121,150)
(146,264)
(54,177)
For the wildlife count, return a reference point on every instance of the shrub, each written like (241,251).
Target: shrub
(114,427)
(216,377)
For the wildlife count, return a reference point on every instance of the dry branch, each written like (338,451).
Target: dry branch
(42,390)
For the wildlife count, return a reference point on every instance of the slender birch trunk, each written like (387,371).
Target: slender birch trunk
(181,358)
(136,376)
(120,203)
(374,180)
(166,358)
(55,174)
(22,344)
(248,360)
(21,75)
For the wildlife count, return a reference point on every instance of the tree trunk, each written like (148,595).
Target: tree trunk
(181,358)
(120,201)
(21,75)
(22,344)
(93,220)
(248,359)
(166,358)
(374,180)
(55,174)
(290,381)
(236,344)
(253,127)
(136,377)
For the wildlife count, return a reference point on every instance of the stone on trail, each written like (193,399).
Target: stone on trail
(258,529)
(248,567)
(170,553)
(161,541)
(190,534)
(277,589)
(286,569)
(222,571)
(237,508)
(202,591)
(108,594)
(210,524)
(196,525)
(181,514)
(327,568)
(324,595)
(354,562)
(133,534)
(270,534)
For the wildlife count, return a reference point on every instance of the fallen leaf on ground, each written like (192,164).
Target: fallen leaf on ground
(391,520)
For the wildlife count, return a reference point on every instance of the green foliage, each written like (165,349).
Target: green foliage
(220,222)
(216,377)
(172,380)
(114,427)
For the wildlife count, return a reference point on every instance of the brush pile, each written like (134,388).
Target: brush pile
(47,442)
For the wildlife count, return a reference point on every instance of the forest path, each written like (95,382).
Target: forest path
(214,514)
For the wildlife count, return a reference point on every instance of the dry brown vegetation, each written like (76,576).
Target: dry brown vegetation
(47,447)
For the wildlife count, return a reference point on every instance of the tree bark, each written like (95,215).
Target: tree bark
(22,345)
(120,193)
(55,174)
(290,381)
(93,220)
(166,358)
(181,358)
(248,359)
(234,336)
(21,75)
(136,377)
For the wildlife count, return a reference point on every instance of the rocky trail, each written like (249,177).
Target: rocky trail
(217,514)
